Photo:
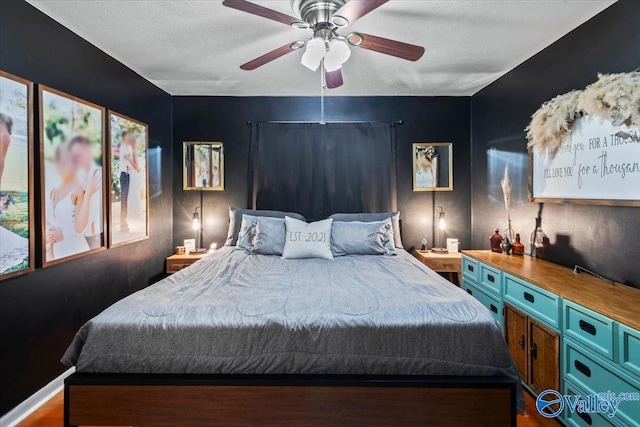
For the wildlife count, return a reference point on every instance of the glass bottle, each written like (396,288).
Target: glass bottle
(495,241)
(539,240)
(518,247)
(506,246)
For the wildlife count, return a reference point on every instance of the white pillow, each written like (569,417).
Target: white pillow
(304,240)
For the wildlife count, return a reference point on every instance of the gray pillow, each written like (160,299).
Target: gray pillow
(370,217)
(307,240)
(247,232)
(235,220)
(269,236)
(361,238)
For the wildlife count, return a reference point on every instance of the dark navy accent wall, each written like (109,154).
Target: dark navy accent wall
(604,239)
(41,311)
(425,119)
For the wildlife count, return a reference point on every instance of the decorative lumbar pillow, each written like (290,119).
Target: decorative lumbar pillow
(304,240)
(235,220)
(371,217)
(269,236)
(362,238)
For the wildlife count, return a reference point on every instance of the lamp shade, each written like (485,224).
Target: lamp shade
(314,53)
(337,55)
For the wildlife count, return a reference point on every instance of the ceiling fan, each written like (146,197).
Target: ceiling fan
(326,47)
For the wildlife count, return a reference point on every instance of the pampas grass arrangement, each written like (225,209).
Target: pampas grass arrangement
(505,183)
(550,124)
(614,97)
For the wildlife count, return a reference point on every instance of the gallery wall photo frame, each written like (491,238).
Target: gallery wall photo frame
(17,224)
(203,166)
(128,179)
(72,176)
(432,166)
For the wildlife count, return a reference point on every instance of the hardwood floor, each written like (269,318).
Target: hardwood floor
(50,415)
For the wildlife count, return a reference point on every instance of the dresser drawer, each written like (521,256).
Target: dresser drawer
(596,376)
(576,418)
(443,264)
(629,349)
(470,268)
(588,328)
(490,278)
(492,303)
(541,304)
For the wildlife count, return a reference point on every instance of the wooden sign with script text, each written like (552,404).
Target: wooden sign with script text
(598,163)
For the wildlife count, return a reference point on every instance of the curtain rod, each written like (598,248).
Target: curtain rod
(397,122)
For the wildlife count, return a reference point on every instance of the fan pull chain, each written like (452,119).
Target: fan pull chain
(322,86)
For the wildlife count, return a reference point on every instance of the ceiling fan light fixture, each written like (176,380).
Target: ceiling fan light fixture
(337,55)
(314,54)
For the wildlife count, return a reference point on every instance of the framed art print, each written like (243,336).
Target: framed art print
(17,254)
(203,167)
(432,166)
(72,146)
(128,180)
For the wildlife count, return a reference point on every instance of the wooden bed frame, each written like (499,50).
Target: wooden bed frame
(287,400)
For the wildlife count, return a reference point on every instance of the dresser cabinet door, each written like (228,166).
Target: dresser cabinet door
(544,349)
(515,324)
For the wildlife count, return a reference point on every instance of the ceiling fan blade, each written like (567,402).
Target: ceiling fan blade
(255,9)
(354,10)
(407,51)
(333,78)
(268,57)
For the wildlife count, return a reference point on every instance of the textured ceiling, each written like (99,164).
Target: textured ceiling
(195,47)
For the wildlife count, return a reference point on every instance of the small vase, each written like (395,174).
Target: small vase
(495,241)
(506,246)
(518,248)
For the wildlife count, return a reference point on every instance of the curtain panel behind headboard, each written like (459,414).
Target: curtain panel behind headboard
(319,169)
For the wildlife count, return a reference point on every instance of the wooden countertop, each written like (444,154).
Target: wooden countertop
(618,302)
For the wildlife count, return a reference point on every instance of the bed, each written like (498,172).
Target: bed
(245,339)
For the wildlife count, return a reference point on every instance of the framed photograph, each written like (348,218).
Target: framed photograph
(432,166)
(203,167)
(128,180)
(72,179)
(17,231)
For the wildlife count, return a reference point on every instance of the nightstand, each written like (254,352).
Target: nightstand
(176,263)
(450,263)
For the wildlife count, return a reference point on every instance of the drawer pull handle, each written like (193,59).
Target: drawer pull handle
(587,327)
(469,292)
(582,368)
(494,308)
(447,265)
(491,278)
(585,417)
(470,268)
(521,341)
(529,297)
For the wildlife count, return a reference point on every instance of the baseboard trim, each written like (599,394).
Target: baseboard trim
(36,400)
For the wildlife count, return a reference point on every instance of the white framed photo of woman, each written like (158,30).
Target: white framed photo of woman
(128,180)
(16,182)
(432,166)
(72,146)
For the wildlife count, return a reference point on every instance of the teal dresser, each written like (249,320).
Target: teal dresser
(572,333)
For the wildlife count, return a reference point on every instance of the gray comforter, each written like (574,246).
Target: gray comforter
(233,312)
